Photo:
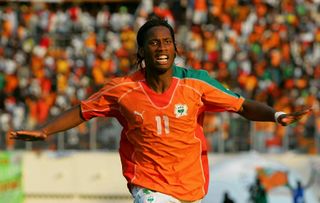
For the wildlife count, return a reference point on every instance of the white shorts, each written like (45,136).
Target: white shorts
(143,195)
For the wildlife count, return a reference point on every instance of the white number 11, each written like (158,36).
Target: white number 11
(165,120)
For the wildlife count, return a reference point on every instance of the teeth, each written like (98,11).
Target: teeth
(162,57)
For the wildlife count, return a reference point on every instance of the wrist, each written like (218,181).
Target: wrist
(277,115)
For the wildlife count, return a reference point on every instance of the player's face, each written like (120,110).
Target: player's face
(159,49)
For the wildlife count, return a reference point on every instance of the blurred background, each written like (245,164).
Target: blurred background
(55,53)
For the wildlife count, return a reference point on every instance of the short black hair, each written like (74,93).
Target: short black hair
(152,22)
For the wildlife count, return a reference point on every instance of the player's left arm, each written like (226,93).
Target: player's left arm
(258,111)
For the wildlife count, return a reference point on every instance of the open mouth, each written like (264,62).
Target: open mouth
(162,59)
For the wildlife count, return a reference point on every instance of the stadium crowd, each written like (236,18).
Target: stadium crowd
(54,54)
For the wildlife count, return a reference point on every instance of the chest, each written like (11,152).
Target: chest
(161,113)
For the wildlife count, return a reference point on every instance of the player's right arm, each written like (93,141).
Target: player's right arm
(64,121)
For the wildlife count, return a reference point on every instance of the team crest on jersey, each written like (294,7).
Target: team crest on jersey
(180,110)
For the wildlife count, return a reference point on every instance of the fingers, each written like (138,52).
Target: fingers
(13,135)
(301,113)
(27,136)
(295,116)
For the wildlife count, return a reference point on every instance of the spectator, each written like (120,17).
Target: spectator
(298,190)
(168,95)
(237,43)
(227,198)
(121,19)
(257,192)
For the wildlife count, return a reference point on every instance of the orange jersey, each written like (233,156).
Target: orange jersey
(162,145)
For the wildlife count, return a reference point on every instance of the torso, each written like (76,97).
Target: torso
(162,144)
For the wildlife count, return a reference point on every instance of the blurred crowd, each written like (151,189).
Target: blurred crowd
(52,55)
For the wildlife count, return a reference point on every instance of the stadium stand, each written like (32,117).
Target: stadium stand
(54,54)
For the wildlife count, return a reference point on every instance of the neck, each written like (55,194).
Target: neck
(159,82)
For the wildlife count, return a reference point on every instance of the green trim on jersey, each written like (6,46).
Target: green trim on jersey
(184,73)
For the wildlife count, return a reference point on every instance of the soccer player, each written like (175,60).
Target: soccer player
(161,108)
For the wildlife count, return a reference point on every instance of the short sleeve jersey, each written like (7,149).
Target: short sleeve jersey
(162,144)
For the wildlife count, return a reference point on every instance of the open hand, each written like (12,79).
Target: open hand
(287,119)
(27,135)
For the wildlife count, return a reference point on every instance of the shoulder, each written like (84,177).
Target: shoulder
(127,80)
(200,77)
(189,73)
(124,83)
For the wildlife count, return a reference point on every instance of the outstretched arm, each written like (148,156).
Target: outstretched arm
(65,121)
(257,111)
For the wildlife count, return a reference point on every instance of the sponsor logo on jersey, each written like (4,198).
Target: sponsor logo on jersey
(180,110)
(138,116)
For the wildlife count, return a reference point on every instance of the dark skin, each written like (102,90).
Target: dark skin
(159,44)
(159,53)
